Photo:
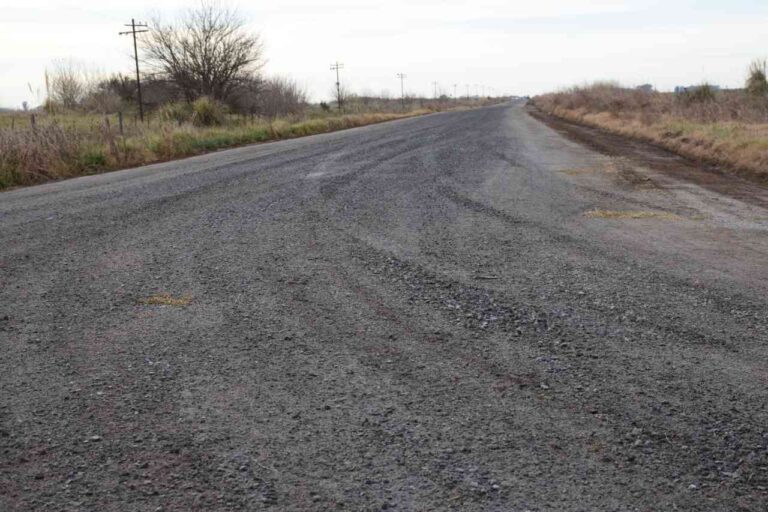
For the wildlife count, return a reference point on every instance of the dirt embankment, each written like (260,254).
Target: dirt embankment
(703,133)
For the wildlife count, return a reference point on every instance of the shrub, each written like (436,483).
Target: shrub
(207,112)
(281,97)
(202,112)
(703,93)
(93,159)
(178,112)
(104,102)
(757,84)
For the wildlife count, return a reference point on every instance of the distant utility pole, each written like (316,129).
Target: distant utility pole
(133,32)
(434,85)
(402,77)
(454,91)
(336,67)
(467,87)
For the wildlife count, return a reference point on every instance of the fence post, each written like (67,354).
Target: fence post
(120,121)
(32,120)
(13,122)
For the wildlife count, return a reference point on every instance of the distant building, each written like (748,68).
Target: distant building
(645,88)
(682,89)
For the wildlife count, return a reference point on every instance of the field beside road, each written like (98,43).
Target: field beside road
(465,311)
(52,147)
(724,128)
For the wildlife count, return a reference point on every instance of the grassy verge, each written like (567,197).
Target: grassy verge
(729,129)
(67,148)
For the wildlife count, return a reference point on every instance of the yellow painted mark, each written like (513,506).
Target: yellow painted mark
(165,299)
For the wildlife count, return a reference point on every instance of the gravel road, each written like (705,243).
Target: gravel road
(417,315)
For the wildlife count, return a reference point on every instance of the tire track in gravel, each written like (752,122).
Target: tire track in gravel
(486,310)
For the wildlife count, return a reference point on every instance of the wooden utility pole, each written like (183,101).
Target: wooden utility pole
(336,67)
(434,86)
(402,77)
(133,32)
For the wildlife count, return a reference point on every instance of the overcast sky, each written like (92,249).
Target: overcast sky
(515,47)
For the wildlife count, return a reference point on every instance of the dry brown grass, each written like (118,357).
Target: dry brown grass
(624,214)
(729,129)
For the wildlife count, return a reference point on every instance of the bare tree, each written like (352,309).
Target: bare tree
(207,52)
(281,96)
(103,101)
(245,98)
(340,94)
(67,83)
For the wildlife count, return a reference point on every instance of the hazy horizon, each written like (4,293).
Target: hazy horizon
(509,47)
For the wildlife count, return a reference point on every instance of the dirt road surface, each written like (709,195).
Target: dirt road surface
(464,311)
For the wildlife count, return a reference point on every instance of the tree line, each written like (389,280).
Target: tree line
(207,53)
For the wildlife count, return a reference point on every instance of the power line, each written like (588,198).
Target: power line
(336,67)
(133,32)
